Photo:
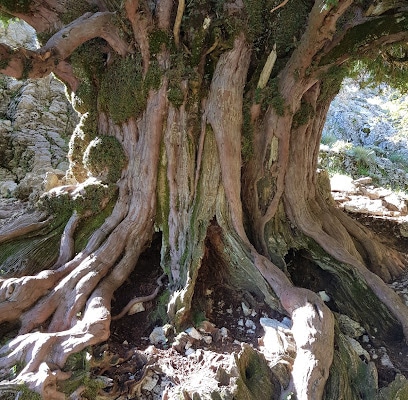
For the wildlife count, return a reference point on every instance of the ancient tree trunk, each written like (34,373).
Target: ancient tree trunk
(201,121)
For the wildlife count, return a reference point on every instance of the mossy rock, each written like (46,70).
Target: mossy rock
(256,380)
(396,390)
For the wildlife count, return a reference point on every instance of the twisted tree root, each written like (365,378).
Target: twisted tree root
(141,299)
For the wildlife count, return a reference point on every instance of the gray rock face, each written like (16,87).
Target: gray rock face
(369,117)
(366,133)
(36,122)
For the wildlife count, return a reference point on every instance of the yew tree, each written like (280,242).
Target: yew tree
(200,122)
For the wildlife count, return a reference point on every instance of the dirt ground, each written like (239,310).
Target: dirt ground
(124,360)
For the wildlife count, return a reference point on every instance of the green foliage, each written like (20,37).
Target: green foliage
(372,66)
(376,68)
(104,158)
(362,155)
(329,139)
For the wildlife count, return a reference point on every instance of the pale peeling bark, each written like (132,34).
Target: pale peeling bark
(224,113)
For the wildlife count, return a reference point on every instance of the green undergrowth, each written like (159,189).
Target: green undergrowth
(81,375)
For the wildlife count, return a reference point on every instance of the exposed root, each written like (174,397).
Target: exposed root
(177,22)
(141,299)
(279,6)
(44,354)
(27,223)
(67,247)
(313,331)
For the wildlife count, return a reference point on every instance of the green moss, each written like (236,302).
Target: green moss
(28,66)
(363,34)
(30,255)
(75,9)
(270,96)
(159,315)
(303,115)
(21,392)
(123,93)
(255,380)
(104,158)
(16,6)
(90,198)
(78,364)
(350,378)
(331,82)
(175,95)
(43,37)
(157,39)
(89,225)
(88,63)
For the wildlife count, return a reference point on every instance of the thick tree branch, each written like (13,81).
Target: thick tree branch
(140,24)
(84,28)
(23,63)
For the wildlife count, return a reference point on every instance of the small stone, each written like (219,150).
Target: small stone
(180,342)
(245,309)
(136,308)
(358,348)
(190,351)
(207,327)
(363,181)
(350,327)
(287,322)
(324,296)
(149,382)
(386,361)
(207,339)
(250,324)
(157,336)
(192,332)
(240,322)
(223,332)
(366,339)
